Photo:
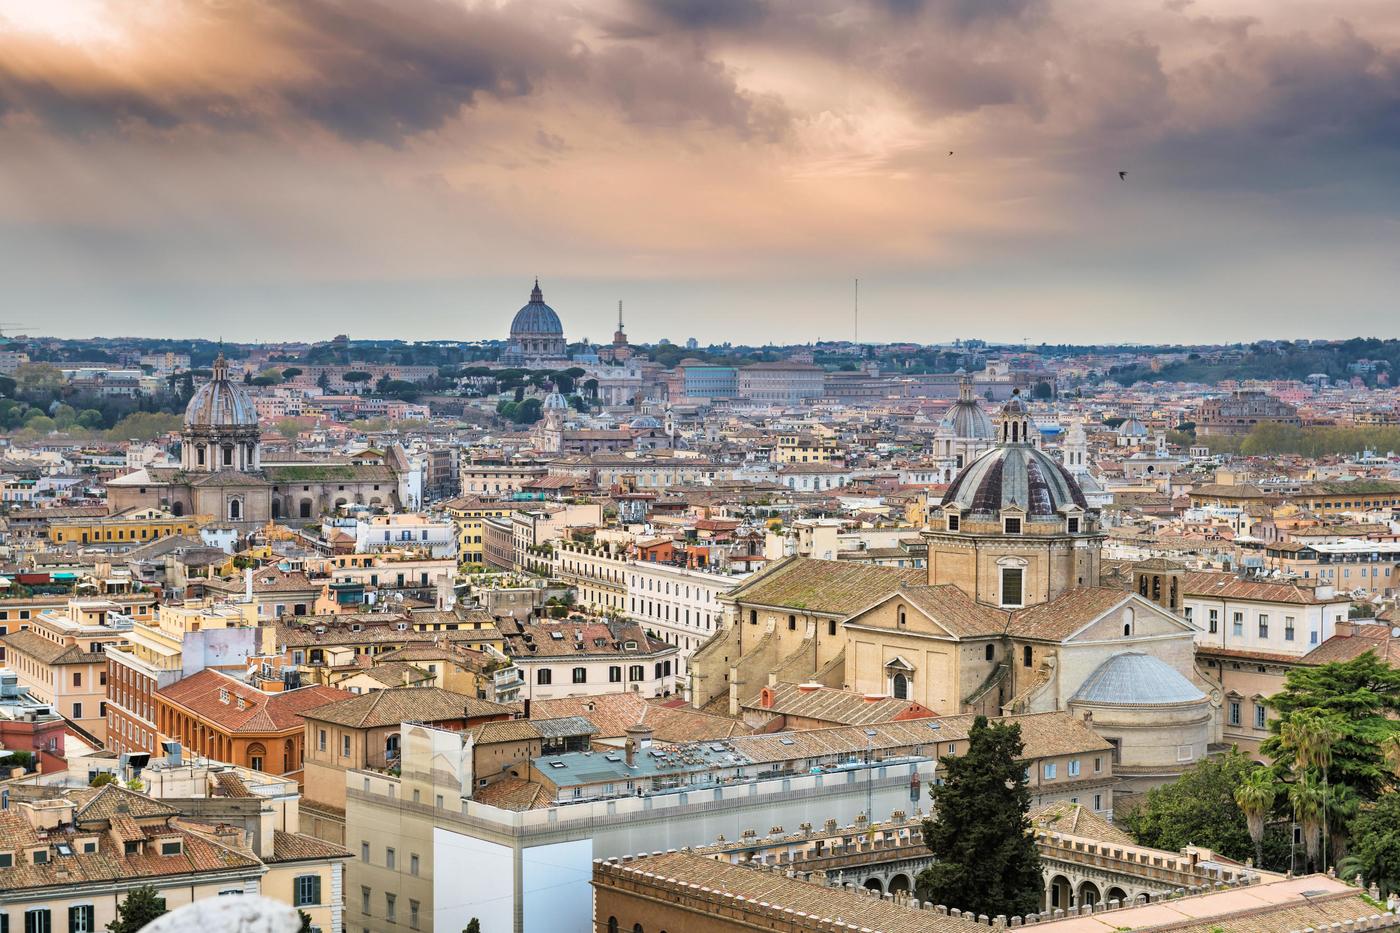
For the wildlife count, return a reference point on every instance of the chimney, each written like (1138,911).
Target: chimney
(873,697)
(765,698)
(638,740)
(808,688)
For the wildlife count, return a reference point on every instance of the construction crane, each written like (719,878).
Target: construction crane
(5,324)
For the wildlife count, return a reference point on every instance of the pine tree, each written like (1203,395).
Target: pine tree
(987,861)
(141,906)
(473,926)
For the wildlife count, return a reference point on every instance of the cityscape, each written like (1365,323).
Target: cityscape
(699,467)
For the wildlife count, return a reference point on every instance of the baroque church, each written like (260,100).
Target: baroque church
(1008,617)
(222,472)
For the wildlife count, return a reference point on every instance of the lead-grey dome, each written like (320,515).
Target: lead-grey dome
(536,319)
(1136,679)
(965,418)
(220,403)
(1015,475)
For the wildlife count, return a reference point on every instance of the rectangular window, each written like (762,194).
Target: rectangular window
(321,740)
(1214,621)
(345,746)
(1234,712)
(307,889)
(1260,716)
(1287,628)
(1049,770)
(389,858)
(1263,626)
(413,864)
(364,901)
(1098,801)
(390,908)
(1098,764)
(1074,767)
(1237,623)
(413,914)
(1011,580)
(954,521)
(1011,526)
(364,852)
(615,674)
(38,920)
(80,919)
(1072,525)
(580,675)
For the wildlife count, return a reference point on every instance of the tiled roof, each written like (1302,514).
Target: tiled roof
(297,847)
(404,704)
(261,712)
(782,893)
(1066,614)
(612,713)
(1074,820)
(829,704)
(831,587)
(1228,586)
(956,611)
(47,652)
(112,800)
(512,794)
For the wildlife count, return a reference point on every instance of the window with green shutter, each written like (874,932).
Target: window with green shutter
(38,920)
(80,919)
(308,890)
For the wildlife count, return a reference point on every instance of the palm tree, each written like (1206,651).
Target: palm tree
(1342,805)
(1309,734)
(1255,797)
(1305,794)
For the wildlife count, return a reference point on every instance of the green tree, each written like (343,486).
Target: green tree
(1043,391)
(291,372)
(355,376)
(305,922)
(473,926)
(288,427)
(90,418)
(1305,797)
(140,907)
(1357,698)
(1255,797)
(1198,808)
(987,861)
(323,381)
(102,779)
(1375,846)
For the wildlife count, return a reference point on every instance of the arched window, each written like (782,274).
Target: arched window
(991,652)
(276,508)
(305,508)
(753,616)
(901,617)
(792,623)
(612,925)
(235,509)
(177,509)
(256,754)
(637,928)
(199,454)
(1026,656)
(899,686)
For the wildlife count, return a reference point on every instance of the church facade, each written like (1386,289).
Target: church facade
(1009,617)
(222,472)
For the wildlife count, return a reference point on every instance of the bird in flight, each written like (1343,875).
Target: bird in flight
(950,152)
(1123,176)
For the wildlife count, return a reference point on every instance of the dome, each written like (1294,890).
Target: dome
(644,423)
(220,403)
(1015,474)
(556,402)
(1132,428)
(1136,679)
(966,418)
(536,318)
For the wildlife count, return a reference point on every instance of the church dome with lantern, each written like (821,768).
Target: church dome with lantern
(1015,474)
(221,426)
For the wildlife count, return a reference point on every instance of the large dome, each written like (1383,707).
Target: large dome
(1015,473)
(220,403)
(536,319)
(1136,679)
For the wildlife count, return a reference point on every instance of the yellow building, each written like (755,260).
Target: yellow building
(806,448)
(468,512)
(125,529)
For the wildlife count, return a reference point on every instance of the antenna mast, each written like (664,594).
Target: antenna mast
(856,311)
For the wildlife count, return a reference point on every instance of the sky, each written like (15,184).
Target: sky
(295,169)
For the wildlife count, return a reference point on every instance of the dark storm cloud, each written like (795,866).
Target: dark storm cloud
(711,14)
(374,70)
